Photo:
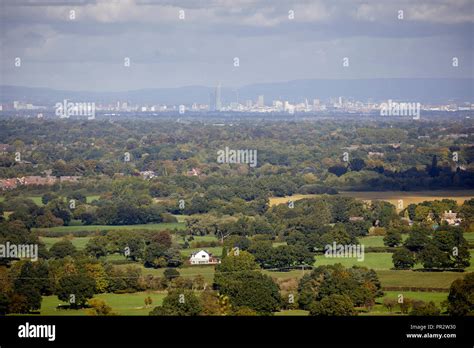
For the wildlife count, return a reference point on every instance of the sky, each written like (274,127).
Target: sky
(87,45)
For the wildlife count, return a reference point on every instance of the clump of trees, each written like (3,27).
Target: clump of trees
(460,299)
(443,248)
(154,249)
(335,290)
(238,277)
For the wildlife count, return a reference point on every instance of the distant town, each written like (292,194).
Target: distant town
(257,105)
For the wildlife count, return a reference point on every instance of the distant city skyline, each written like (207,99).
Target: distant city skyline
(135,44)
(428,91)
(67,108)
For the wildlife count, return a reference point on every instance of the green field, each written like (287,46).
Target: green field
(92,228)
(379,309)
(376,261)
(436,297)
(216,251)
(208,238)
(78,242)
(469,237)
(122,304)
(392,278)
(375,241)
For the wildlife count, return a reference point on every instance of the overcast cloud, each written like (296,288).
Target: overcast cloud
(88,52)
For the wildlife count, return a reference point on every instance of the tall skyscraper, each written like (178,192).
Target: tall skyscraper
(260,101)
(212,101)
(218,97)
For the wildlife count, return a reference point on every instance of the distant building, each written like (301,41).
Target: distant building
(4,148)
(194,172)
(395,146)
(8,184)
(356,218)
(69,178)
(218,97)
(148,174)
(260,101)
(376,154)
(36,180)
(48,180)
(203,257)
(451,218)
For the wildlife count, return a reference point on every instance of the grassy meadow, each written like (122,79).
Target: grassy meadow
(122,304)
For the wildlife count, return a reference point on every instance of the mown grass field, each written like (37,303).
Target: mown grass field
(122,304)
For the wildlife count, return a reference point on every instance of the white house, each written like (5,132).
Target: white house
(203,257)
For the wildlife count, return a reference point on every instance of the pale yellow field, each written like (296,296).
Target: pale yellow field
(280,200)
(392,196)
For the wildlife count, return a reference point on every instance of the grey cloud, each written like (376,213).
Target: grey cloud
(166,52)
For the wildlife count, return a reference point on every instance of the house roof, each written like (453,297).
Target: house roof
(197,252)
